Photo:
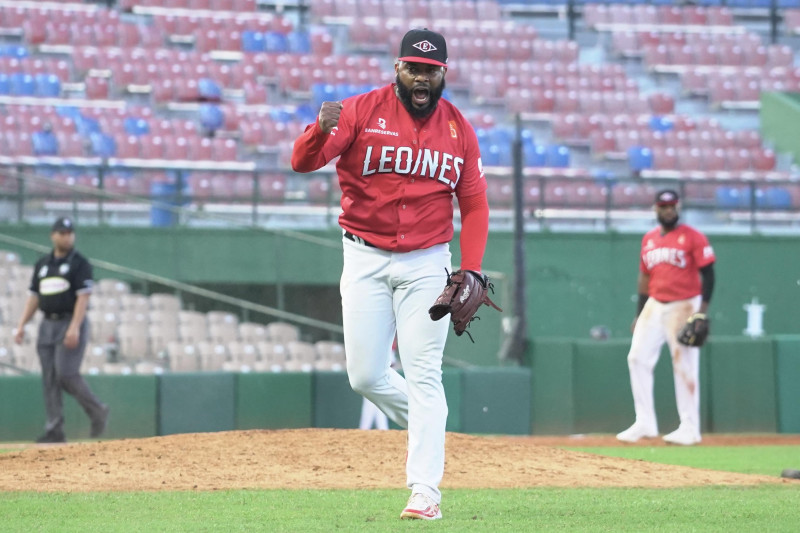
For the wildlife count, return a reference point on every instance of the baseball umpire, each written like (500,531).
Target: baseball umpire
(676,280)
(403,152)
(60,287)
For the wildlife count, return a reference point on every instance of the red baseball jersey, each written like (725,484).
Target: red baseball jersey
(398,174)
(673,261)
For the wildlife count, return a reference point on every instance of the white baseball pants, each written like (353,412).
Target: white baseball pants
(659,323)
(383,293)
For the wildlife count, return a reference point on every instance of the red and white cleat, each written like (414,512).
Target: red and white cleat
(421,507)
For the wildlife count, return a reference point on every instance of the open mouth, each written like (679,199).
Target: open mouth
(420,96)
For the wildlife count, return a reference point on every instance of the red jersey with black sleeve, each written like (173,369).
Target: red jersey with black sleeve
(673,262)
(398,174)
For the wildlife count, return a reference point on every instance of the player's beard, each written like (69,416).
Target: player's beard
(404,93)
(668,224)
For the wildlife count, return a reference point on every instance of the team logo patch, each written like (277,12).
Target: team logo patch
(50,286)
(464,295)
(43,271)
(425,46)
(453,130)
(63,269)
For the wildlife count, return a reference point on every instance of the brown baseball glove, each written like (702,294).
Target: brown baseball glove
(695,331)
(463,295)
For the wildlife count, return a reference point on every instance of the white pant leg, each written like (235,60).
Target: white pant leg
(685,363)
(369,329)
(372,416)
(419,278)
(648,337)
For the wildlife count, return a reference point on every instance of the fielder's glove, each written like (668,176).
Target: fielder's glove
(695,331)
(464,293)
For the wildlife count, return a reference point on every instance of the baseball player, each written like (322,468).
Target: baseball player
(676,280)
(403,153)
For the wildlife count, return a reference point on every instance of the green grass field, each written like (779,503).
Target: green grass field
(762,508)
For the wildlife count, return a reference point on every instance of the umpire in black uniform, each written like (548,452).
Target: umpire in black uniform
(60,287)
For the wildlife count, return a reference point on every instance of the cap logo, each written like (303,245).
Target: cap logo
(425,46)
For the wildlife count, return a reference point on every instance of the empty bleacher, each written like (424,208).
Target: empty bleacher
(638,90)
(134,333)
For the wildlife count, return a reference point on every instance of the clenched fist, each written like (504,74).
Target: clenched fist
(329,115)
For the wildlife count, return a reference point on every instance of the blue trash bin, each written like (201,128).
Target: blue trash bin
(163,211)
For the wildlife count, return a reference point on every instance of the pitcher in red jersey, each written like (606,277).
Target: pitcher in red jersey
(404,152)
(676,279)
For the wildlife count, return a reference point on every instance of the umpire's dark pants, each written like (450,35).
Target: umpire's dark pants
(61,371)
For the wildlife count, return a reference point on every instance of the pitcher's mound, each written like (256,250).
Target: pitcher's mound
(324,459)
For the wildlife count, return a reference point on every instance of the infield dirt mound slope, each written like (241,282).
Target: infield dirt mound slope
(326,458)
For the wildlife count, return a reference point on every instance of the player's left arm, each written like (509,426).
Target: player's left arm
(474,230)
(707,275)
(705,258)
(473,204)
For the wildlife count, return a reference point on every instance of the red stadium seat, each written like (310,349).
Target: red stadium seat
(762,159)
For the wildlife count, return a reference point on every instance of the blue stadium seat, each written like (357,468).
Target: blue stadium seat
(640,158)
(536,156)
(86,126)
(275,42)
(299,42)
(323,92)
(22,84)
(306,113)
(13,50)
(731,198)
(5,84)
(281,115)
(103,145)
(501,135)
(253,41)
(211,117)
(497,155)
(136,126)
(558,156)
(44,143)
(209,90)
(48,86)
(774,198)
(659,123)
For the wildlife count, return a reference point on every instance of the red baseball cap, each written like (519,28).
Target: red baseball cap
(422,45)
(667,197)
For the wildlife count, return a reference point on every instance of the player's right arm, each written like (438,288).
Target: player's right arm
(643,291)
(308,153)
(30,308)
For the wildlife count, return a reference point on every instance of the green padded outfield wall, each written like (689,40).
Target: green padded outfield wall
(22,415)
(575,281)
(787,371)
(743,394)
(132,400)
(196,402)
(337,406)
(496,400)
(274,401)
(584,387)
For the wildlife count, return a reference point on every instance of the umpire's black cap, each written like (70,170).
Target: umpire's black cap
(422,45)
(667,197)
(63,224)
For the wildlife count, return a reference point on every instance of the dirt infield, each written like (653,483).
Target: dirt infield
(344,459)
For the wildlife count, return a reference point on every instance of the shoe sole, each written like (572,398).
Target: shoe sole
(668,441)
(623,439)
(412,515)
